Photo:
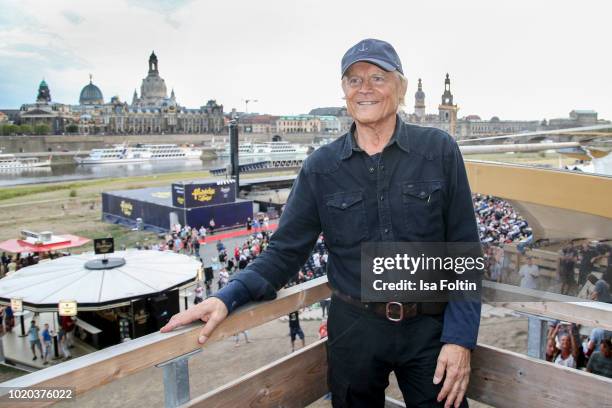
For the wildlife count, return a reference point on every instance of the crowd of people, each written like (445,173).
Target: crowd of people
(565,347)
(12,263)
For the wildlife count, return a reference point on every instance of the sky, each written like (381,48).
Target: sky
(515,59)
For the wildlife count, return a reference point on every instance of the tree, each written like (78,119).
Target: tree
(8,130)
(25,129)
(72,128)
(42,129)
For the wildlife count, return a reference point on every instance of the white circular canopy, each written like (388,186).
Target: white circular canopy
(42,286)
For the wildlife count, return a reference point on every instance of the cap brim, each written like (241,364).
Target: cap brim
(382,64)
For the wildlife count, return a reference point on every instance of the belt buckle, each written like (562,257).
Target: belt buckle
(401,311)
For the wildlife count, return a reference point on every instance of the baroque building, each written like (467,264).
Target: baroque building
(151,113)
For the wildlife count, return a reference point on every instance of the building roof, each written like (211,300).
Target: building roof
(91,95)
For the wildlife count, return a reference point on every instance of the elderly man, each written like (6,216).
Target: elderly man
(383,181)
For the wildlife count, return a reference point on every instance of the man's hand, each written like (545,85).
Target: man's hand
(454,360)
(212,311)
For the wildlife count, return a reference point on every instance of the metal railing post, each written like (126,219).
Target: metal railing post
(176,380)
(536,337)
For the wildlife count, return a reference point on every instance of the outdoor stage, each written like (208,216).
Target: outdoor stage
(194,204)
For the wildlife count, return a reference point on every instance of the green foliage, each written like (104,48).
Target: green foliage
(72,128)
(25,129)
(42,129)
(73,193)
(8,130)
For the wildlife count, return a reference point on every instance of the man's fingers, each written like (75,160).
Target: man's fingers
(183,318)
(439,373)
(452,395)
(449,383)
(209,327)
(462,391)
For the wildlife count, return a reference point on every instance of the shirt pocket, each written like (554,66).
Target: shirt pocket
(422,205)
(346,218)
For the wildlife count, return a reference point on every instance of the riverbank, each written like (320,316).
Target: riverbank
(75,207)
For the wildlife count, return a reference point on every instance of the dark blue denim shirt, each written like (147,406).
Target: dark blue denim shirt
(415,190)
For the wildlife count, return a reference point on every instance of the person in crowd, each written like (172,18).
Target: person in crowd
(600,362)
(245,333)
(597,336)
(568,354)
(223,278)
(9,319)
(324,307)
(63,343)
(565,267)
(601,291)
(199,294)
(295,330)
(211,226)
(46,337)
(34,339)
(529,274)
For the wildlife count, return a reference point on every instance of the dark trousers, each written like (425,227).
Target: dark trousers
(363,349)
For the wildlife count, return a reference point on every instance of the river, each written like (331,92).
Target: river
(75,172)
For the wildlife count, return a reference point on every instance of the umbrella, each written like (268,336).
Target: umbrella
(128,275)
(60,242)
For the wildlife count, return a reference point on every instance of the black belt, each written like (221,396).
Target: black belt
(394,311)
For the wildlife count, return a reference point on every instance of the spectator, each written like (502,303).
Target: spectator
(295,329)
(63,343)
(600,362)
(568,355)
(595,339)
(34,339)
(9,319)
(237,338)
(199,294)
(601,292)
(223,278)
(46,336)
(529,273)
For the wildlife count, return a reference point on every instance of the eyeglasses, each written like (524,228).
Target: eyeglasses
(375,81)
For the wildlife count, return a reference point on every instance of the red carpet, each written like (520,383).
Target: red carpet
(235,233)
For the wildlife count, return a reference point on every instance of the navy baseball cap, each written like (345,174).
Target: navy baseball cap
(377,52)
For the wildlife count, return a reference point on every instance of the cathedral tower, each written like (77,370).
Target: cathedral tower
(446,110)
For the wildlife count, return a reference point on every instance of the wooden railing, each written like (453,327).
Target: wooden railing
(499,378)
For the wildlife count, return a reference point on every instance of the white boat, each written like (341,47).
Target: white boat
(267,149)
(140,153)
(12,162)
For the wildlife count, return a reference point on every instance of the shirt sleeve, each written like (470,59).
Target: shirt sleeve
(462,314)
(289,247)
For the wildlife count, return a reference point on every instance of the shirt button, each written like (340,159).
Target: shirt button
(382,167)
(422,194)
(382,198)
(386,230)
(343,205)
(371,169)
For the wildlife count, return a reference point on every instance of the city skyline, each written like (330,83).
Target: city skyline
(497,73)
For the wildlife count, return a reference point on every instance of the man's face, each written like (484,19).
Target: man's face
(372,94)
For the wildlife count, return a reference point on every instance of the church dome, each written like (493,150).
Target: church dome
(91,95)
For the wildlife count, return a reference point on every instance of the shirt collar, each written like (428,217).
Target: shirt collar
(399,136)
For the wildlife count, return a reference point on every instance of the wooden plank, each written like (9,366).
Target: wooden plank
(499,378)
(506,379)
(551,305)
(101,367)
(296,380)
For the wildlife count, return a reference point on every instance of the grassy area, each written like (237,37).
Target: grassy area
(124,237)
(8,372)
